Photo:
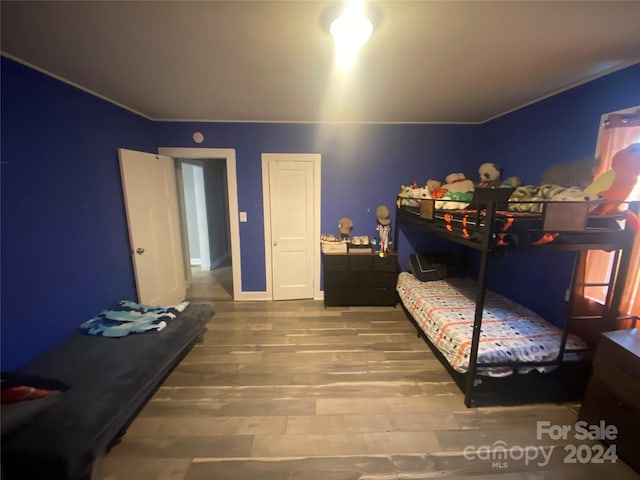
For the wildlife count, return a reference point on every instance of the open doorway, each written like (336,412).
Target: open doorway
(221,279)
(205,193)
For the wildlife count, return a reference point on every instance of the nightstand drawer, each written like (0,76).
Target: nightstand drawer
(618,368)
(601,404)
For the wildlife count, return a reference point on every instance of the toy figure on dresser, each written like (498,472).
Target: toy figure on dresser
(383,229)
(345,225)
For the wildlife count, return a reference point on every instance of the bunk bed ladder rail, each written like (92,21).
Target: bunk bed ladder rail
(487,242)
(615,283)
(617,280)
(615,287)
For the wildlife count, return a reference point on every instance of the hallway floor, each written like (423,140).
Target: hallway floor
(211,285)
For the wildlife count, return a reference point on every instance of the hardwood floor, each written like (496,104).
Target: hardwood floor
(291,390)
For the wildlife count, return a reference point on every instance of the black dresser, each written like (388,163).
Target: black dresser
(360,279)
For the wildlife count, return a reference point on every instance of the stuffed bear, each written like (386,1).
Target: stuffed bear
(454,183)
(411,195)
(489,175)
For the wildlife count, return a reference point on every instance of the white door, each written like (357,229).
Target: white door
(291,186)
(151,201)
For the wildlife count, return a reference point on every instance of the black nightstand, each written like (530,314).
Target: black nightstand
(613,393)
(360,279)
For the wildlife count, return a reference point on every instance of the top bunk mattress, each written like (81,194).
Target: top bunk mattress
(445,309)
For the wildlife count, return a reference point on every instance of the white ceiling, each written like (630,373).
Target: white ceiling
(427,61)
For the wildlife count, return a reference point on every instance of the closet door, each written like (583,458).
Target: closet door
(291,187)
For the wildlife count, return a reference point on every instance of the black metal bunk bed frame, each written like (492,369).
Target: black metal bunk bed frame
(568,381)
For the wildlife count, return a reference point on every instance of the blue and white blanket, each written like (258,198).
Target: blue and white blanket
(129,317)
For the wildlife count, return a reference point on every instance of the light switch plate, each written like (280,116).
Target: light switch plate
(243,216)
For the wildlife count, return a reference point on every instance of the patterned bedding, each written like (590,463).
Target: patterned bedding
(444,310)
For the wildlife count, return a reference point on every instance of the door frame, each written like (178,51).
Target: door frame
(316,158)
(229,156)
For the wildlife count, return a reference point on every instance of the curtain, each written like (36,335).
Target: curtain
(620,130)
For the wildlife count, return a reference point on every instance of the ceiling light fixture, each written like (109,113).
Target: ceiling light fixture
(351,30)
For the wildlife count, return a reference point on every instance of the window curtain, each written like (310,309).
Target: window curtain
(620,130)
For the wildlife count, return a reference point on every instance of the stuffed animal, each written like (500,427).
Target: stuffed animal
(578,173)
(420,193)
(510,182)
(433,185)
(403,195)
(617,183)
(454,183)
(411,195)
(489,175)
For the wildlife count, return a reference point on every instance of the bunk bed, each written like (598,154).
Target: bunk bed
(499,352)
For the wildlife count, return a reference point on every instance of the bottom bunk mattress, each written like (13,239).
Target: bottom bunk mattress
(444,310)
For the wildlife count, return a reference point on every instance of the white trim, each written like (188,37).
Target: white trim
(253,297)
(229,155)
(316,158)
(182,218)
(266,214)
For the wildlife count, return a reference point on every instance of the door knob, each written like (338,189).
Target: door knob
(139,251)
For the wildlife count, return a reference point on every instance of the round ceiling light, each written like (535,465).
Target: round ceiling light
(350,30)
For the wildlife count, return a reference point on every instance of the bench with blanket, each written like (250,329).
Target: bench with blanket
(109,380)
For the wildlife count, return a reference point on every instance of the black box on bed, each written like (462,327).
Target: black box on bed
(433,266)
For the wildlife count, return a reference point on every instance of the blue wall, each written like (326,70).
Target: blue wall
(526,142)
(363,166)
(65,250)
(558,129)
(64,245)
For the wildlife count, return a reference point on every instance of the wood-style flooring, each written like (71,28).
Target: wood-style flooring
(210,285)
(291,390)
